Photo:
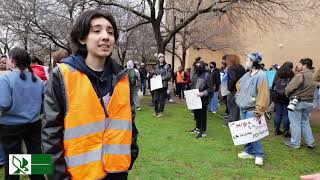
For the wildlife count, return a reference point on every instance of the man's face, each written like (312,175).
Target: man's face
(3,62)
(300,67)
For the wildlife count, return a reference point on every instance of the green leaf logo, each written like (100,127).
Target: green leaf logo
(20,165)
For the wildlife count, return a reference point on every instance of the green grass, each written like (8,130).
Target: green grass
(169,151)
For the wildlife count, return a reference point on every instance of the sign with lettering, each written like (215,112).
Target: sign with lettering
(248,130)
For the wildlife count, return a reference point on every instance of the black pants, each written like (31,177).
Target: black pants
(160,96)
(117,176)
(12,136)
(234,113)
(200,115)
(180,89)
(225,100)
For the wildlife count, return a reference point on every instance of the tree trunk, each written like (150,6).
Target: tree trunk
(158,37)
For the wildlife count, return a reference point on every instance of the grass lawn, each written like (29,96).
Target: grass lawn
(169,151)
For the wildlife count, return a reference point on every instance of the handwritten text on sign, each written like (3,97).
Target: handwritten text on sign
(248,130)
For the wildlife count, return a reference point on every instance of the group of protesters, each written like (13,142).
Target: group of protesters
(83,112)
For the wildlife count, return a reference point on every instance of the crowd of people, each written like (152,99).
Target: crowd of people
(83,112)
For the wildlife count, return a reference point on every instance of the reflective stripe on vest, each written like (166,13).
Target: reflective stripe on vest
(93,144)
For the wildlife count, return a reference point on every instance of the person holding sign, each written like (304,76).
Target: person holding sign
(162,69)
(200,81)
(253,99)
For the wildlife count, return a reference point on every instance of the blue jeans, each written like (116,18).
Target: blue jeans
(1,154)
(213,105)
(254,148)
(299,122)
(281,114)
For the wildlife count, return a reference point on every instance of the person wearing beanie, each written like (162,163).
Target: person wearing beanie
(163,69)
(253,99)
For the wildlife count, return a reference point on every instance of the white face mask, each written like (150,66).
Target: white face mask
(249,64)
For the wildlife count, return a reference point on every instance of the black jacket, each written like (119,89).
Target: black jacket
(165,71)
(214,79)
(235,72)
(200,81)
(55,110)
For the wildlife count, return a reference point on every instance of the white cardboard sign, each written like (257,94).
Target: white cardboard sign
(156,83)
(248,130)
(193,101)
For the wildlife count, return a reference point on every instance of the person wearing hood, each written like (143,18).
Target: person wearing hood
(160,95)
(88,125)
(200,81)
(253,99)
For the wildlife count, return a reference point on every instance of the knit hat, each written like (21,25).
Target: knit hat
(255,57)
(160,55)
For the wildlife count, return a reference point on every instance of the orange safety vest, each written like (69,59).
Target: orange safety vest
(179,77)
(94,144)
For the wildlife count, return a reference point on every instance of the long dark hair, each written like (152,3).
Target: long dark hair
(22,61)
(285,71)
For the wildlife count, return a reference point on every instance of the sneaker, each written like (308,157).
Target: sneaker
(214,112)
(154,114)
(138,109)
(244,155)
(259,161)
(288,143)
(160,115)
(278,132)
(170,100)
(201,135)
(195,131)
(311,146)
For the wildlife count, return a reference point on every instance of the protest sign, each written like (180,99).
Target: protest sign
(248,130)
(156,83)
(193,101)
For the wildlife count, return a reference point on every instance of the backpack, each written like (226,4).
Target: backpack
(280,86)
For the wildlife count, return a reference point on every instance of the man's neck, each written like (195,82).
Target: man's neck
(95,63)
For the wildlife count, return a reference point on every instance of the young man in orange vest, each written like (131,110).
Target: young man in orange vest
(88,122)
(180,82)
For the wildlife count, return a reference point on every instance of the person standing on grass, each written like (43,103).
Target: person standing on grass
(301,87)
(20,106)
(88,124)
(143,76)
(214,80)
(235,72)
(180,82)
(281,101)
(200,81)
(253,99)
(160,95)
(224,87)
(133,77)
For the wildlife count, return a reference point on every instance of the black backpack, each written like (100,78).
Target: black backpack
(281,85)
